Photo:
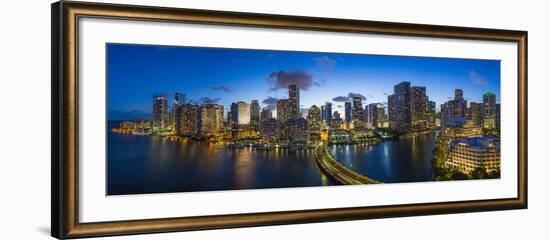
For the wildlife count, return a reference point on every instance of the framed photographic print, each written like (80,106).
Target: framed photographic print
(168,119)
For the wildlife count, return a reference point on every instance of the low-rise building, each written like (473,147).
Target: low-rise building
(467,154)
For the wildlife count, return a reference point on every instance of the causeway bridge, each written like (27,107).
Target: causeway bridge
(338,172)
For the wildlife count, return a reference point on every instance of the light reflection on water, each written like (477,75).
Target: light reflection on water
(406,160)
(145,164)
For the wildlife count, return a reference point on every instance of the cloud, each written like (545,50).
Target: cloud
(207,100)
(271,103)
(348,98)
(324,63)
(352,95)
(477,78)
(282,79)
(223,88)
(341,99)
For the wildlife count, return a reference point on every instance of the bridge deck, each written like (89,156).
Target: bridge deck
(337,171)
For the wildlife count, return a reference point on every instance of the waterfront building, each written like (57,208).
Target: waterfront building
(255,115)
(339,136)
(314,123)
(142,128)
(456,108)
(298,130)
(269,130)
(348,114)
(234,116)
(323,115)
(358,114)
(189,119)
(489,110)
(382,117)
(211,119)
(467,154)
(337,121)
(283,115)
(160,113)
(372,115)
(179,99)
(419,106)
(399,107)
(328,114)
(243,113)
(431,114)
(294,101)
(265,115)
(457,128)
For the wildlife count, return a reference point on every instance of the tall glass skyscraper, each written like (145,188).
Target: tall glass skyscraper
(294,101)
(160,113)
(243,113)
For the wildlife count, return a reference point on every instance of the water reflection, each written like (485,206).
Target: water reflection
(406,160)
(144,164)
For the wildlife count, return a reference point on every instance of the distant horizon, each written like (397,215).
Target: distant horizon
(135,73)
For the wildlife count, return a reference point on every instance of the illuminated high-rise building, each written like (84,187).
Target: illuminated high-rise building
(337,120)
(243,113)
(160,113)
(323,115)
(328,114)
(489,110)
(211,118)
(419,107)
(269,129)
(347,113)
(283,114)
(399,107)
(189,119)
(265,115)
(294,101)
(234,109)
(358,113)
(456,108)
(382,117)
(314,123)
(255,115)
(179,99)
(431,114)
(298,130)
(476,113)
(372,114)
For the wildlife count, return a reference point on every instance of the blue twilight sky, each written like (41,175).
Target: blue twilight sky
(137,72)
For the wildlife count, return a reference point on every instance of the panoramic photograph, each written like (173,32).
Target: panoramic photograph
(189,119)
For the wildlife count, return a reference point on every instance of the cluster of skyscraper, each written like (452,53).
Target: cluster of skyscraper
(466,145)
(247,120)
(409,109)
(485,114)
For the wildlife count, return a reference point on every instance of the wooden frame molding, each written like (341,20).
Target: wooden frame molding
(65,127)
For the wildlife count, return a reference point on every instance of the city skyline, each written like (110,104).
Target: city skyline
(137,72)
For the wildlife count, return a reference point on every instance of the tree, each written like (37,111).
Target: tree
(458,175)
(480,173)
(494,174)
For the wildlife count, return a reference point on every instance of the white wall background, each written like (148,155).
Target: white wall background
(25,119)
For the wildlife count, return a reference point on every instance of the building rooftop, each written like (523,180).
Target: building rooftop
(481,143)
